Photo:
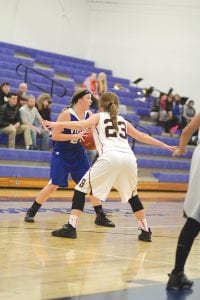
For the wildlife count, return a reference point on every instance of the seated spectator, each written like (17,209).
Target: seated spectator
(174,121)
(188,111)
(22,94)
(101,84)
(31,117)
(44,106)
(158,112)
(168,107)
(91,84)
(10,122)
(4,92)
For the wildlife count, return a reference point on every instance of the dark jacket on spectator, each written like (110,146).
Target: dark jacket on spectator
(3,97)
(45,113)
(9,115)
(156,105)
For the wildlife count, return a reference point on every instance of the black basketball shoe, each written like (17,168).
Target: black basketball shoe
(67,231)
(29,217)
(145,236)
(102,220)
(179,281)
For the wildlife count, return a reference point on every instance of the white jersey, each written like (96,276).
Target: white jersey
(107,139)
(116,165)
(192,202)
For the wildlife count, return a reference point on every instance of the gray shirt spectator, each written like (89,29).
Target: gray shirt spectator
(30,116)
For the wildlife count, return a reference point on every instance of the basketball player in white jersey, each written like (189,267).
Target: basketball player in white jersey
(177,279)
(115,167)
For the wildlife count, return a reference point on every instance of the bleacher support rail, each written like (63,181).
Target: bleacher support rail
(28,70)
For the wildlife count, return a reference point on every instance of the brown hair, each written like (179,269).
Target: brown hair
(102,83)
(110,103)
(41,98)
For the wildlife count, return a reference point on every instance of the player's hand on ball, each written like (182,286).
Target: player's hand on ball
(88,140)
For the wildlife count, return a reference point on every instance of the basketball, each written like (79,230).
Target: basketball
(88,141)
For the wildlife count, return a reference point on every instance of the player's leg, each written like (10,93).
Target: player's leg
(93,181)
(177,278)
(59,176)
(11,132)
(41,198)
(126,184)
(25,129)
(101,218)
(139,213)
(69,230)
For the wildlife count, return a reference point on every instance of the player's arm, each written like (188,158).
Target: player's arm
(145,138)
(186,135)
(57,134)
(78,125)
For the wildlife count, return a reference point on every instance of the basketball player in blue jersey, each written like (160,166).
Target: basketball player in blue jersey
(69,157)
(116,165)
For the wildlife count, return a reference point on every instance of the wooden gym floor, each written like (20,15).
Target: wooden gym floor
(102,263)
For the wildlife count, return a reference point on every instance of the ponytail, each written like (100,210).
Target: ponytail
(110,103)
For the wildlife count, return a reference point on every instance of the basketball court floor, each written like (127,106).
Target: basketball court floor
(102,263)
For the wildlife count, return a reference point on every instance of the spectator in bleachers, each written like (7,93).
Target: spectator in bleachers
(10,122)
(4,92)
(188,111)
(101,84)
(166,104)
(177,107)
(188,114)
(174,121)
(158,112)
(91,84)
(97,86)
(31,117)
(22,94)
(44,106)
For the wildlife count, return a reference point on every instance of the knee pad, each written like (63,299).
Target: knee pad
(78,200)
(135,203)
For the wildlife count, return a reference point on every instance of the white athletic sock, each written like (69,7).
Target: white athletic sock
(73,220)
(143,224)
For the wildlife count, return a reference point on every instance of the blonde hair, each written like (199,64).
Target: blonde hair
(74,98)
(78,92)
(102,83)
(110,103)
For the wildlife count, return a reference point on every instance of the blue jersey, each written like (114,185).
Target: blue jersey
(70,148)
(68,157)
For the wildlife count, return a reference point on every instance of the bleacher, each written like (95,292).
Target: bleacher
(157,169)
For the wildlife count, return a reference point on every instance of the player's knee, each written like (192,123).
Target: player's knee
(135,203)
(78,200)
(51,188)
